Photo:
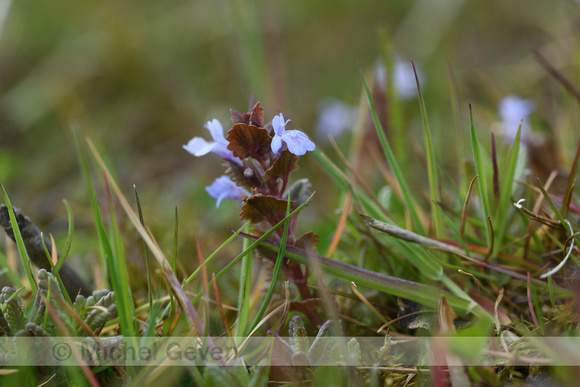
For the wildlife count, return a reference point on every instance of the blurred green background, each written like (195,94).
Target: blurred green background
(142,77)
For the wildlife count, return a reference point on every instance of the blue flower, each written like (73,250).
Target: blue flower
(198,146)
(512,110)
(296,141)
(224,188)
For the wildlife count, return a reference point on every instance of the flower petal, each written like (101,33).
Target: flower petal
(197,146)
(278,124)
(298,143)
(224,188)
(276,144)
(216,129)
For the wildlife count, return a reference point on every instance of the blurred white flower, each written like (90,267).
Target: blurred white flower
(334,118)
(512,110)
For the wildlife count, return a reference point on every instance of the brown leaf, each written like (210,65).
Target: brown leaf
(249,141)
(239,175)
(254,117)
(282,166)
(258,208)
(257,115)
(307,242)
(237,117)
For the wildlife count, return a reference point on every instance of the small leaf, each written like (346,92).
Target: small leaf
(354,352)
(282,166)
(237,117)
(298,334)
(254,117)
(257,115)
(15,314)
(239,175)
(107,310)
(300,190)
(4,328)
(281,352)
(258,208)
(249,141)
(319,346)
(308,241)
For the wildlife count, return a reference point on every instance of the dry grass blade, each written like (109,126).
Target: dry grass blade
(366,301)
(340,226)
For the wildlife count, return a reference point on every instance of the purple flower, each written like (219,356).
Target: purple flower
(224,188)
(296,141)
(198,146)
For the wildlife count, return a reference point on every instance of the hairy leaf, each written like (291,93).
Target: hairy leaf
(249,141)
(242,176)
(282,166)
(258,208)
(254,117)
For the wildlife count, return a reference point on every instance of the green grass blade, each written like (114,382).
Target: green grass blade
(254,245)
(145,248)
(431,164)
(395,113)
(275,273)
(409,200)
(480,170)
(121,291)
(460,141)
(344,185)
(214,254)
(505,203)
(455,229)
(68,244)
(86,172)
(122,280)
(59,263)
(20,243)
(9,273)
(245,288)
(424,294)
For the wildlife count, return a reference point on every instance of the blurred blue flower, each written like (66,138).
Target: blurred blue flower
(198,146)
(512,110)
(403,77)
(224,188)
(335,117)
(296,141)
